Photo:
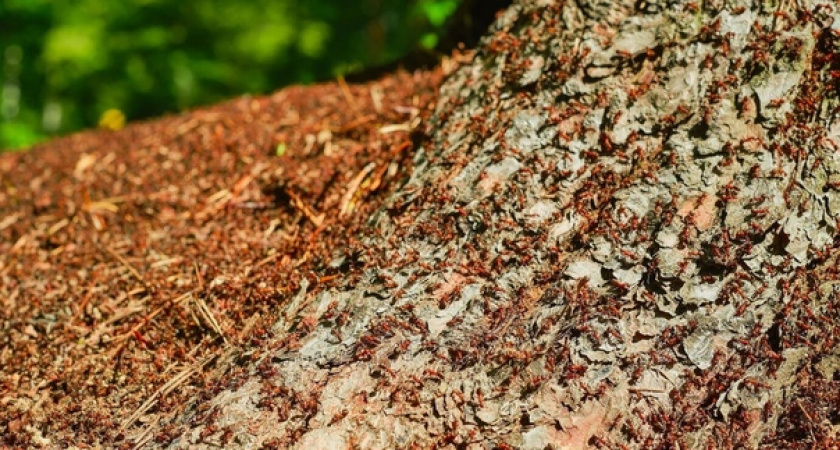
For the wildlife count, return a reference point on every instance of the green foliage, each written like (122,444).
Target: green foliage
(67,62)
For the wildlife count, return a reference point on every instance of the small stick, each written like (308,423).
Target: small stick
(170,385)
(346,92)
(353,187)
(128,266)
(207,315)
(151,316)
(305,209)
(357,122)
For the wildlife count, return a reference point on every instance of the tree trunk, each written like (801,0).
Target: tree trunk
(621,230)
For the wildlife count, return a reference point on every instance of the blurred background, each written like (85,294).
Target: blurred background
(69,65)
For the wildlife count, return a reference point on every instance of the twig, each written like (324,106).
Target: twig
(128,266)
(346,92)
(394,127)
(357,122)
(151,316)
(90,290)
(144,437)
(352,188)
(305,209)
(170,385)
(208,317)
(810,419)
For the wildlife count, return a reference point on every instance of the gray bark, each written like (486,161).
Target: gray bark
(615,234)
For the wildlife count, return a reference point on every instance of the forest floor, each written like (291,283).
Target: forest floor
(134,263)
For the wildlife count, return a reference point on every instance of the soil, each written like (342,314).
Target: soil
(131,261)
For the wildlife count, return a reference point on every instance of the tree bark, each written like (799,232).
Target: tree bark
(621,229)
